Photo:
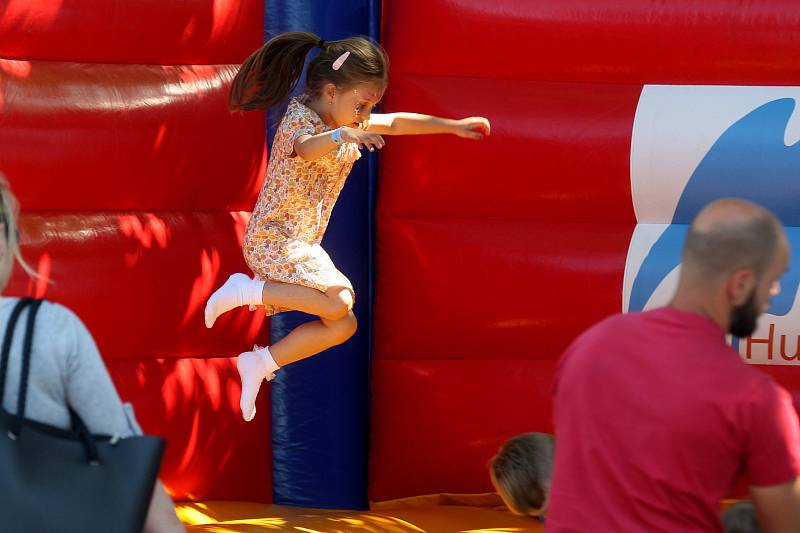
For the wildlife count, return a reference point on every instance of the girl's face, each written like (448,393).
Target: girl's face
(352,106)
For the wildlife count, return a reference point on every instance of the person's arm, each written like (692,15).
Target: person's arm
(312,147)
(161,517)
(92,394)
(778,507)
(90,391)
(773,458)
(418,124)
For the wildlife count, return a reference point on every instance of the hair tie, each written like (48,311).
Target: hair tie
(339,62)
(321,43)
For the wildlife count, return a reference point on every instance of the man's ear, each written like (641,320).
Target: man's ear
(740,285)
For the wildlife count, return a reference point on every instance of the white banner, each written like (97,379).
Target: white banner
(692,145)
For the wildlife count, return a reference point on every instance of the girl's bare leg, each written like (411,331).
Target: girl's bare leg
(240,290)
(332,305)
(312,338)
(303,341)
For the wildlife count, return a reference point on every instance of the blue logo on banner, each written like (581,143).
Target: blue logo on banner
(751,161)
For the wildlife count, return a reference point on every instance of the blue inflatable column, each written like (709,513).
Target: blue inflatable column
(320,406)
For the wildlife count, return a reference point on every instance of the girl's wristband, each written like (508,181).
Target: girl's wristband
(336,136)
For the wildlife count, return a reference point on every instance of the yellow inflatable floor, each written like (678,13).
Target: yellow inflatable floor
(441,513)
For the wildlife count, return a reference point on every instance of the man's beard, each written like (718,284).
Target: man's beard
(744,317)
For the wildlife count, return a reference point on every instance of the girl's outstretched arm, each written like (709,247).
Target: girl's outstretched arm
(311,147)
(417,124)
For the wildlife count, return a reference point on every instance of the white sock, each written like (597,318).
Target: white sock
(254,367)
(237,291)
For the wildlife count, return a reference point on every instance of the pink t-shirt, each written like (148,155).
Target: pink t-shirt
(656,418)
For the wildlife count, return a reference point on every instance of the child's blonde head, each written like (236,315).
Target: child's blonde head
(9,234)
(522,470)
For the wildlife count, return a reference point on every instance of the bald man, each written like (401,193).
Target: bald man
(656,416)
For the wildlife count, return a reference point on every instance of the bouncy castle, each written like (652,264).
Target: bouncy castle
(474,264)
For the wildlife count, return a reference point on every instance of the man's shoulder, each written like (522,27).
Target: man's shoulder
(619,329)
(606,330)
(760,383)
(613,323)
(629,320)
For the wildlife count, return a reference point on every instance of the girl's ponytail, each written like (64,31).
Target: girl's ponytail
(270,73)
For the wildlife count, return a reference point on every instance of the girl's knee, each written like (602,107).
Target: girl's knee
(349,324)
(340,304)
(339,311)
(343,328)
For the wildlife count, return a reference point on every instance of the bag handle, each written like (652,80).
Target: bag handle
(88,440)
(27,345)
(78,426)
(12,324)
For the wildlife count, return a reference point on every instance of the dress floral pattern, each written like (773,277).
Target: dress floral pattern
(282,241)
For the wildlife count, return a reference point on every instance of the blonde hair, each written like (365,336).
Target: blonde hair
(522,469)
(9,213)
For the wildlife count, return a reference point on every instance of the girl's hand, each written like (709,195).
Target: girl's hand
(362,138)
(473,128)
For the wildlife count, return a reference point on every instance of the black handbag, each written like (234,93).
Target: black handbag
(56,480)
